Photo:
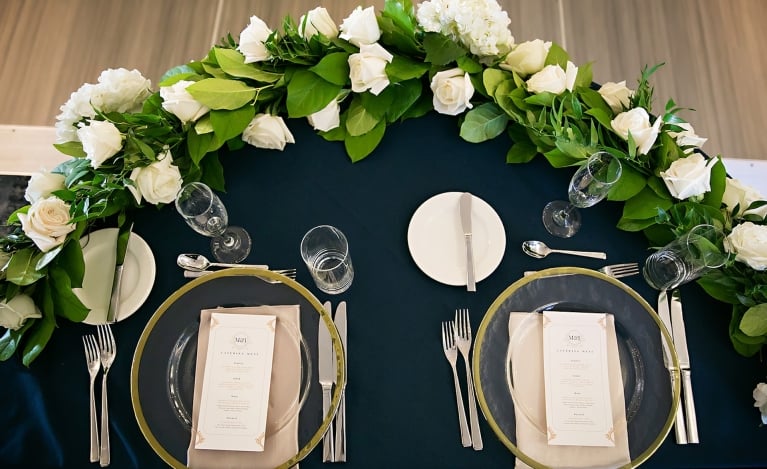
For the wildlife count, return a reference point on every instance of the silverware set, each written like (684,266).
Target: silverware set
(98,355)
(334,440)
(456,337)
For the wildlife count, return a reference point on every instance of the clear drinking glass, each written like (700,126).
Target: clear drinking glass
(325,251)
(206,214)
(589,185)
(686,258)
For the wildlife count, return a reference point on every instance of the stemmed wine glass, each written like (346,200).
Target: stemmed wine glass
(588,186)
(205,213)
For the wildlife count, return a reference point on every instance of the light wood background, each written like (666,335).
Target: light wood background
(713,49)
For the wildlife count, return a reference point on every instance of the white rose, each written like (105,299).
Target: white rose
(252,40)
(689,177)
(551,79)
(367,69)
(361,27)
(15,312)
(158,183)
(742,195)
(267,131)
(319,21)
(429,15)
(101,141)
(177,100)
(571,73)
(47,223)
(637,122)
(749,243)
(760,400)
(326,119)
(527,58)
(75,109)
(41,185)
(121,90)
(616,95)
(452,91)
(687,138)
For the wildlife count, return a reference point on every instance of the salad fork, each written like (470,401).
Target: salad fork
(462,333)
(94,363)
(108,352)
(620,270)
(451,353)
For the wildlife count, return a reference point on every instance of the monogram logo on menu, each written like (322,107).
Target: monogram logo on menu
(574,338)
(240,339)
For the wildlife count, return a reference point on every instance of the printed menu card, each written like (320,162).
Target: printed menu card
(577,384)
(235,389)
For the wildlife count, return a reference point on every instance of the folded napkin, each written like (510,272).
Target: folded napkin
(530,400)
(100,258)
(282,417)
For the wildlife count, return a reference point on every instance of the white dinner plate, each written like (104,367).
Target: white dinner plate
(436,242)
(137,280)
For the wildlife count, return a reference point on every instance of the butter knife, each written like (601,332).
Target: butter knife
(340,443)
(123,237)
(327,376)
(665,316)
(465,210)
(680,342)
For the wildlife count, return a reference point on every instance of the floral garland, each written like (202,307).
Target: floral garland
(132,147)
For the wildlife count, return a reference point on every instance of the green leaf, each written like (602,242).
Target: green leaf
(230,124)
(403,68)
(594,100)
(65,302)
(483,123)
(203,125)
(441,50)
(469,65)
(397,23)
(720,286)
(630,184)
(219,93)
(542,99)
(743,344)
(308,93)
(176,74)
(557,56)
(632,225)
(493,77)
(754,321)
(584,77)
(21,268)
(39,335)
(199,145)
(559,159)
(71,148)
(45,258)
(403,95)
(645,205)
(232,62)
(521,152)
(71,259)
(359,120)
(10,341)
(718,180)
(361,146)
(213,172)
(333,68)
(602,116)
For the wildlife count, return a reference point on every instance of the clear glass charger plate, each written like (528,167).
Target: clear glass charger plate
(650,399)
(162,372)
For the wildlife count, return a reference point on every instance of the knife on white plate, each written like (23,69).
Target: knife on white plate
(665,316)
(680,342)
(465,210)
(340,443)
(327,371)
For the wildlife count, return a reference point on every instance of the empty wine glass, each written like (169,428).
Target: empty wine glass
(205,213)
(588,186)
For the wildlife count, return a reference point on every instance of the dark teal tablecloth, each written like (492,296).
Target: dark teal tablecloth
(400,400)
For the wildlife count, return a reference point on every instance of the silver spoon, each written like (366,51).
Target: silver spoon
(198,263)
(539,250)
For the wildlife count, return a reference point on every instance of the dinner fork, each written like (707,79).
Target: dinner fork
(108,352)
(620,270)
(462,333)
(451,353)
(94,363)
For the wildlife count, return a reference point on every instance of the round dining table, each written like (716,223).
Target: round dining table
(400,401)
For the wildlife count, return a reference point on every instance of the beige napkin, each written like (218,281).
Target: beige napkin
(527,366)
(282,416)
(96,291)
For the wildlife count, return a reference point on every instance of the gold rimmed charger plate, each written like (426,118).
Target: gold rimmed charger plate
(651,399)
(155,403)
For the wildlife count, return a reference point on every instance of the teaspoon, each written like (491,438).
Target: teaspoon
(198,263)
(539,250)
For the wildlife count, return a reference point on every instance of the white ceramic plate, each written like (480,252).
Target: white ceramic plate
(437,245)
(137,281)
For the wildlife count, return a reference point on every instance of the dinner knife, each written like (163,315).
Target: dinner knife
(665,316)
(327,376)
(680,342)
(465,210)
(340,443)
(123,236)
